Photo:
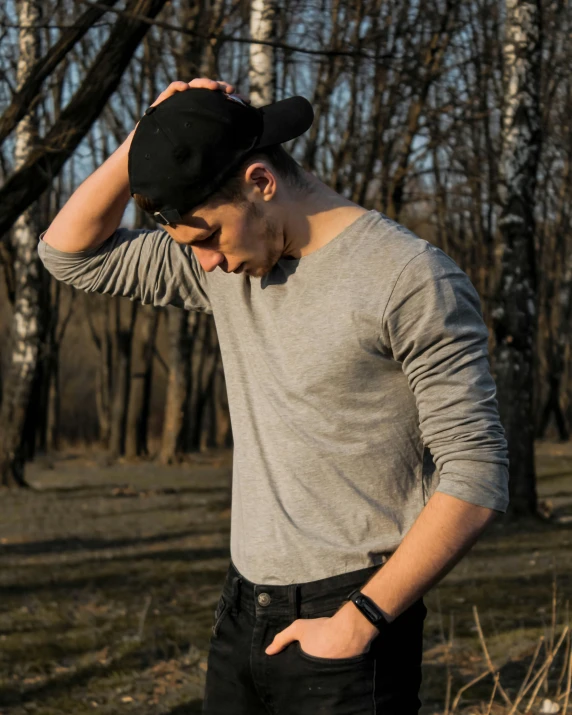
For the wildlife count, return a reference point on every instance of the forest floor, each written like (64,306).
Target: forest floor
(109,576)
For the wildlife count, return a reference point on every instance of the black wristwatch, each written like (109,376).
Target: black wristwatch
(369,609)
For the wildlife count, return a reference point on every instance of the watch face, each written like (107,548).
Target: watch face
(369,609)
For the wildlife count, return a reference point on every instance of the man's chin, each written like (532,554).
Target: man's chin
(254,272)
(258,271)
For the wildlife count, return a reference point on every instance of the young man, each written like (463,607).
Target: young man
(351,348)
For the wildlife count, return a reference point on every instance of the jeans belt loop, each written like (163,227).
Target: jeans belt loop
(294,601)
(235,595)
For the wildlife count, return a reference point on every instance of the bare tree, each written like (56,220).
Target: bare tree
(56,331)
(27,328)
(178,387)
(515,316)
(408,99)
(136,444)
(103,77)
(28,93)
(262,71)
(121,381)
(103,343)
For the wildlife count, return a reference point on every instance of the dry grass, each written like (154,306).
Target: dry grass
(546,686)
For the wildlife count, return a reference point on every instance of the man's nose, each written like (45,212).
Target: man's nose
(209,260)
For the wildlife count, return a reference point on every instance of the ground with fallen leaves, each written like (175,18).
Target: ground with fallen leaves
(109,576)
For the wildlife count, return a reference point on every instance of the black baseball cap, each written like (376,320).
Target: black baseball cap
(185,147)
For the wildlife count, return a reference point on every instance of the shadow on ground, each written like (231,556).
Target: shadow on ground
(109,577)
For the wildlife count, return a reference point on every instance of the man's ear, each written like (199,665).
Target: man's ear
(261,181)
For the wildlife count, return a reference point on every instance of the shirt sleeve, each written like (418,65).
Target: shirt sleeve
(143,265)
(433,325)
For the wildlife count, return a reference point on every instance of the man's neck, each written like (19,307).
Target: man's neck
(313,219)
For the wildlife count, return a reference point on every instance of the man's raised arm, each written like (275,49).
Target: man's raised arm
(84,247)
(94,210)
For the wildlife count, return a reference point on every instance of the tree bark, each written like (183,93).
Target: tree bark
(222,436)
(200,348)
(103,376)
(58,330)
(208,416)
(515,315)
(26,328)
(142,382)
(177,386)
(203,374)
(123,341)
(261,72)
(215,17)
(53,428)
(191,49)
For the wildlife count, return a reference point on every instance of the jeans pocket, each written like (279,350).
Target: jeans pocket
(220,612)
(317,660)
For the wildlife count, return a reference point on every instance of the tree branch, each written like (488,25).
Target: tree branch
(46,160)
(244,40)
(27,96)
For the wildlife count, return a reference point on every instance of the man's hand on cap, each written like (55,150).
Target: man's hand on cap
(198,83)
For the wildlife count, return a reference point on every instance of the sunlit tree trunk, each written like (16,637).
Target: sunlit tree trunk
(26,328)
(261,70)
(515,315)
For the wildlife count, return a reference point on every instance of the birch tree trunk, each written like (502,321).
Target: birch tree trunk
(26,329)
(515,315)
(261,72)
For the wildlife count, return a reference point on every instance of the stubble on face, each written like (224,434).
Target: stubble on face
(267,232)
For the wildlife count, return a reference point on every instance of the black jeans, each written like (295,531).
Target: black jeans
(242,680)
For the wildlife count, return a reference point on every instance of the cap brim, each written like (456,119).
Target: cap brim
(285,120)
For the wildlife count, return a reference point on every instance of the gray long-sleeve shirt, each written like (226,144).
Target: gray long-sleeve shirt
(346,371)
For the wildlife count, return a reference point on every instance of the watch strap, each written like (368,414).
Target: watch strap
(369,609)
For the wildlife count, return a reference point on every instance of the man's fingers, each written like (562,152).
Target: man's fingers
(199,82)
(177,86)
(206,83)
(282,639)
